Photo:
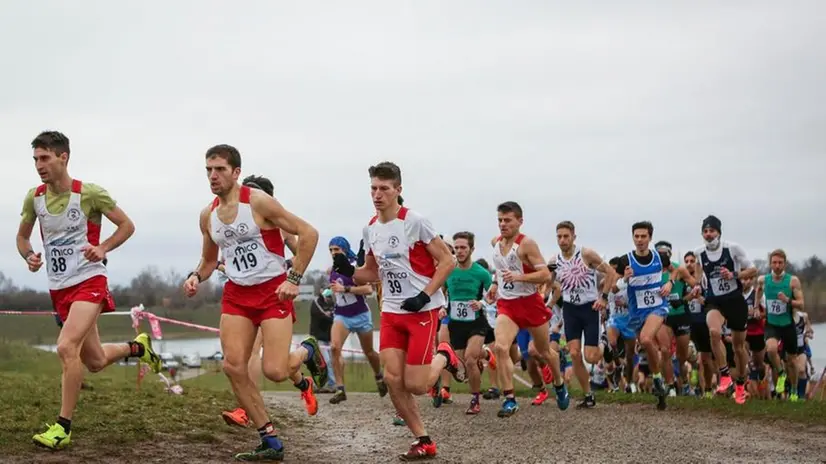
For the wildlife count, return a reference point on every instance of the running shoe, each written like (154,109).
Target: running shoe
(509,407)
(446,398)
(149,356)
(588,402)
(740,394)
(725,385)
(474,407)
(338,397)
(398,421)
(563,400)
(491,358)
(547,375)
(308,396)
(55,437)
(236,417)
(270,449)
(455,365)
(382,386)
(491,394)
(780,386)
(419,451)
(540,397)
(316,364)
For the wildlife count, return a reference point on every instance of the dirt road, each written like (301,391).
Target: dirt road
(360,430)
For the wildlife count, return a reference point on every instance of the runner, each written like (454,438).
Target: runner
(803,329)
(699,328)
(70,214)
(468,325)
(442,395)
(352,316)
(245,225)
(677,328)
(724,264)
(403,249)
(520,269)
(575,268)
(783,296)
(621,339)
(755,337)
(647,310)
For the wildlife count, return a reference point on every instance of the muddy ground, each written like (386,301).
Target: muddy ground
(360,431)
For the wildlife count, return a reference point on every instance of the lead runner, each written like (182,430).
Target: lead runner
(405,252)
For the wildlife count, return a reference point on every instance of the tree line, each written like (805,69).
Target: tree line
(153,288)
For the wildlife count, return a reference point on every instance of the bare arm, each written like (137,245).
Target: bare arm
(556,292)
(529,251)
(685,275)
(595,261)
(444,264)
(24,235)
(369,272)
(365,289)
(125,229)
(209,250)
(291,242)
(271,210)
(797,292)
(758,291)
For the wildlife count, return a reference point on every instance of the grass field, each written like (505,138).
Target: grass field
(109,418)
(42,330)
(359,377)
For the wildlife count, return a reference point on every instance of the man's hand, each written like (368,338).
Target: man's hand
(600,304)
(726,274)
(666,290)
(442,313)
(94,254)
(782,297)
(287,291)
(191,286)
(416,303)
(34,261)
(492,292)
(476,305)
(337,287)
(629,272)
(343,266)
(509,276)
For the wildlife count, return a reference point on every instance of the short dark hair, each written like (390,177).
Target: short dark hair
(52,141)
(386,171)
(643,225)
(689,253)
(260,183)
(483,262)
(228,153)
(778,252)
(614,262)
(510,207)
(465,235)
(566,225)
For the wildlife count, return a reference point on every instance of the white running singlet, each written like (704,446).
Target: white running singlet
(405,265)
(64,236)
(252,256)
(578,281)
(511,262)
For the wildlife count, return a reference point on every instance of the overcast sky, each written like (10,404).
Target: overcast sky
(602,115)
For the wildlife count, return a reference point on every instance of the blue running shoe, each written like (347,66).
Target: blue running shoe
(562,398)
(509,408)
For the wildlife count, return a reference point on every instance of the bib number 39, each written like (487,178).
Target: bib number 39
(394,286)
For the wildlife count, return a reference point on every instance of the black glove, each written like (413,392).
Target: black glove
(342,265)
(416,303)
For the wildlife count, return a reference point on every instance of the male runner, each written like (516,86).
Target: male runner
(70,214)
(621,339)
(245,225)
(724,264)
(783,296)
(352,316)
(520,269)
(677,328)
(575,268)
(405,252)
(699,328)
(755,334)
(647,307)
(468,326)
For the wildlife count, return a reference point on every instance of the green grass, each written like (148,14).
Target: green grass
(111,417)
(42,330)
(359,377)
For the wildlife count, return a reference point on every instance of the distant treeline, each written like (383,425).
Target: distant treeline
(154,288)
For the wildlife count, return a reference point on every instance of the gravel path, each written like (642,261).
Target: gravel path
(360,430)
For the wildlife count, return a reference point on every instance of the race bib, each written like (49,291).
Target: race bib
(345,299)
(776,307)
(720,286)
(648,298)
(574,296)
(63,260)
(620,310)
(694,307)
(246,258)
(800,340)
(396,284)
(461,311)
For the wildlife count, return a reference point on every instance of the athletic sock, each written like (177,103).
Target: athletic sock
(65,423)
(508,394)
(380,376)
(425,440)
(475,396)
(136,350)
(266,429)
(725,372)
(801,387)
(303,384)
(340,388)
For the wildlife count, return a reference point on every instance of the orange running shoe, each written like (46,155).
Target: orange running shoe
(310,402)
(491,359)
(540,398)
(725,385)
(547,375)
(236,417)
(419,451)
(740,394)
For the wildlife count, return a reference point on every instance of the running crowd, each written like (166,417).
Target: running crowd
(642,321)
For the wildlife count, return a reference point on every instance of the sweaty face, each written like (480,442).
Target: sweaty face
(49,165)
(565,239)
(778,265)
(462,250)
(221,175)
(689,262)
(710,234)
(509,224)
(641,239)
(385,193)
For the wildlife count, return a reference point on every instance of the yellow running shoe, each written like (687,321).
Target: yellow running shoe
(54,438)
(794,398)
(780,386)
(149,355)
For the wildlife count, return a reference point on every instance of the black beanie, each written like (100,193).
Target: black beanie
(712,222)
